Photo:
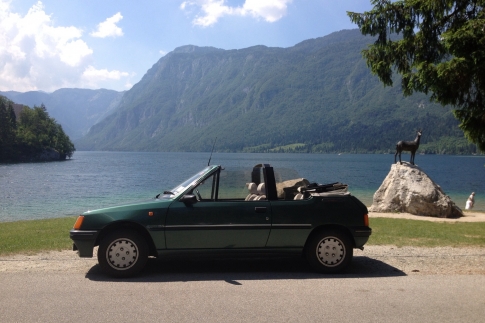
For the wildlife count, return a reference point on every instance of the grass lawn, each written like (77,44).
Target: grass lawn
(35,235)
(403,232)
(28,237)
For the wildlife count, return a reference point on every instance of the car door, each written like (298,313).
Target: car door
(292,222)
(212,222)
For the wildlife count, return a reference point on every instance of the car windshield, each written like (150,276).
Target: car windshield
(183,186)
(237,183)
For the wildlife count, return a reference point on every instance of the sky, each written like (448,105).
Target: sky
(51,44)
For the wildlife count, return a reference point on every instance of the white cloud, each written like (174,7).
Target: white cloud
(270,10)
(90,73)
(35,54)
(73,52)
(92,77)
(213,10)
(108,27)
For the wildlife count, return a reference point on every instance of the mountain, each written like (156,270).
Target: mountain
(75,109)
(317,96)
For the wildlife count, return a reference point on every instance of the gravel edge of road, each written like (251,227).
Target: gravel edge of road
(371,261)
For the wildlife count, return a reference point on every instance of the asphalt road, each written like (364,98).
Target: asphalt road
(236,290)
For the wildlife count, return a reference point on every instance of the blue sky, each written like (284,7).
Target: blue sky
(51,44)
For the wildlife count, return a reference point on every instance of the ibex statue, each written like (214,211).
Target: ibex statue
(410,146)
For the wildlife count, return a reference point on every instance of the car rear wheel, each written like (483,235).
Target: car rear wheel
(122,253)
(329,251)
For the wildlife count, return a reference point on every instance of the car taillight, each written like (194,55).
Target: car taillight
(78,223)
(366,220)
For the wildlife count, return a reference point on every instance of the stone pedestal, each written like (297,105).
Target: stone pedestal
(408,189)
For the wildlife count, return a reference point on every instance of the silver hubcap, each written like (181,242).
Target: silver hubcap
(122,254)
(330,251)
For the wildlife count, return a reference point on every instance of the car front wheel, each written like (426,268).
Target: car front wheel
(122,253)
(329,251)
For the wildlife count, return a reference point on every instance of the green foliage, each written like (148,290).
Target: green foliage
(292,148)
(34,133)
(447,145)
(7,129)
(75,109)
(317,96)
(441,51)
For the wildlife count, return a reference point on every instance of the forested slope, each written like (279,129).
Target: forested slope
(317,96)
(32,135)
(76,109)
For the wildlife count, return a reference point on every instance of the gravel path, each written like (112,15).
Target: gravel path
(470,216)
(374,260)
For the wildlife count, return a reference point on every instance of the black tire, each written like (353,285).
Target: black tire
(329,251)
(122,253)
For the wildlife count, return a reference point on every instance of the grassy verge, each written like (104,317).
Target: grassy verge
(402,232)
(28,237)
(33,236)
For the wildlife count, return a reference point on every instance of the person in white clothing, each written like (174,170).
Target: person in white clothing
(470,201)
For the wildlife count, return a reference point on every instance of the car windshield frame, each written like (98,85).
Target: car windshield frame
(188,183)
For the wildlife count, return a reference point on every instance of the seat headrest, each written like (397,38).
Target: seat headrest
(262,189)
(252,187)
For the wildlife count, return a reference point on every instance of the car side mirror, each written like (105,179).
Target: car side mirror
(188,199)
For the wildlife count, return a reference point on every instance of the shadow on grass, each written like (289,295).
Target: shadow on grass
(234,270)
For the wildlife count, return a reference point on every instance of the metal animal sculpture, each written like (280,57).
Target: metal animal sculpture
(410,146)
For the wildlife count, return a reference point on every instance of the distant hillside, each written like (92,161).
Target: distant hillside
(317,96)
(75,109)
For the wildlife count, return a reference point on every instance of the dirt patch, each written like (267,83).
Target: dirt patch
(53,261)
(469,217)
(429,261)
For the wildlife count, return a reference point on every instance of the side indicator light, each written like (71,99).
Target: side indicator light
(78,223)
(150,213)
(366,220)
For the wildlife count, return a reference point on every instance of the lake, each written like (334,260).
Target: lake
(97,179)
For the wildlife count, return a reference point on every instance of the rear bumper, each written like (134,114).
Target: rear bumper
(83,241)
(361,235)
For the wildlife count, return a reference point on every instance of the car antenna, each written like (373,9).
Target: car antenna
(208,163)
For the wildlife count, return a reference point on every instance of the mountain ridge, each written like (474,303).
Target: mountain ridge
(316,96)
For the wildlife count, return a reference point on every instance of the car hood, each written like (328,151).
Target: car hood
(134,205)
(146,212)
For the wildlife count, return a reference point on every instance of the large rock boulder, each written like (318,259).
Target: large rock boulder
(408,189)
(292,183)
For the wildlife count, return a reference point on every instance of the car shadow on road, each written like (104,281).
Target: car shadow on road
(233,270)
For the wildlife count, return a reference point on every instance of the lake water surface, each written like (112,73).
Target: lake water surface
(97,179)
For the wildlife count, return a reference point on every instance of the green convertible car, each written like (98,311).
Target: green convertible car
(217,212)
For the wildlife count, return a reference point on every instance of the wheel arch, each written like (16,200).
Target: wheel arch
(328,227)
(141,230)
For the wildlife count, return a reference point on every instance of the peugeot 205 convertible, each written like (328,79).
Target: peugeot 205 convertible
(219,211)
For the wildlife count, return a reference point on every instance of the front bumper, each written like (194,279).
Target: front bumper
(83,242)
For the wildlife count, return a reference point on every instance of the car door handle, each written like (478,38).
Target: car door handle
(260,209)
